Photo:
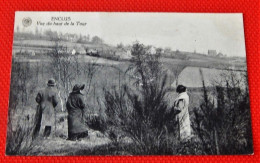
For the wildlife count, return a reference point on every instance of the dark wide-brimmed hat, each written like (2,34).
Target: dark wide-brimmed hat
(78,87)
(51,82)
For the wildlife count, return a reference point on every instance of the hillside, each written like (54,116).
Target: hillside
(32,49)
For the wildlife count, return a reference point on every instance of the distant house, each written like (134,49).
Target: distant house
(85,39)
(212,52)
(76,50)
(92,52)
(81,50)
(70,37)
(33,53)
(61,51)
(73,52)
(152,50)
(123,53)
(220,55)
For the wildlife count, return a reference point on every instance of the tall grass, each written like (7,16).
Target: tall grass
(223,123)
(19,133)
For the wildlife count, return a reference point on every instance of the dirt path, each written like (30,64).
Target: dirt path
(60,147)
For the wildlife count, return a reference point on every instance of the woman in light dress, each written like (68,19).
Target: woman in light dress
(181,105)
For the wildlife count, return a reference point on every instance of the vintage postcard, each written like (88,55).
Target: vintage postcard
(100,83)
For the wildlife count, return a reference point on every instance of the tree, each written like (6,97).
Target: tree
(97,40)
(90,69)
(139,111)
(168,51)
(53,36)
(80,40)
(223,126)
(88,38)
(120,45)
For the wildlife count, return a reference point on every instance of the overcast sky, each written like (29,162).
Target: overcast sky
(183,31)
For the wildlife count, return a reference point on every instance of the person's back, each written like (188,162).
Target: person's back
(47,100)
(181,105)
(47,97)
(75,105)
(184,117)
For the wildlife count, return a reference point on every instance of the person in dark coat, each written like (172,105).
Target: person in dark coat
(47,100)
(75,105)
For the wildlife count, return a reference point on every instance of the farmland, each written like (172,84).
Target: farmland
(41,47)
(192,76)
(99,74)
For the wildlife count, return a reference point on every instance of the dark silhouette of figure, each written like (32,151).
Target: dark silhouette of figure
(47,100)
(75,105)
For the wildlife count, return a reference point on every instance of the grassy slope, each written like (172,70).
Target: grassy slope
(110,71)
(193,59)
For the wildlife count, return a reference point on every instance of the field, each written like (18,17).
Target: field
(191,59)
(30,74)
(192,76)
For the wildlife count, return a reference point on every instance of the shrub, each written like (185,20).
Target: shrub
(223,125)
(19,134)
(140,112)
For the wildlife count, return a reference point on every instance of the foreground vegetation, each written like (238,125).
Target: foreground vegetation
(128,111)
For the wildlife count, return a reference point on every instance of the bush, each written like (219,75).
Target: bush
(140,112)
(19,134)
(224,125)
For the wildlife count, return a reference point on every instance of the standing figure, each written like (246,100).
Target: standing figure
(47,100)
(75,105)
(181,105)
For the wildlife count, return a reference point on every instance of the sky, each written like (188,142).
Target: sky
(183,31)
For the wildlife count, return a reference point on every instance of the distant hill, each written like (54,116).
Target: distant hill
(192,77)
(43,47)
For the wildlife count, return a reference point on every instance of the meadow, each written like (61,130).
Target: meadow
(100,75)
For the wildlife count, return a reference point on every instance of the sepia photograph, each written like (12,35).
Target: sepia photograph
(128,83)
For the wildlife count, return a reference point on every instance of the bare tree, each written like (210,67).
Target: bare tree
(90,69)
